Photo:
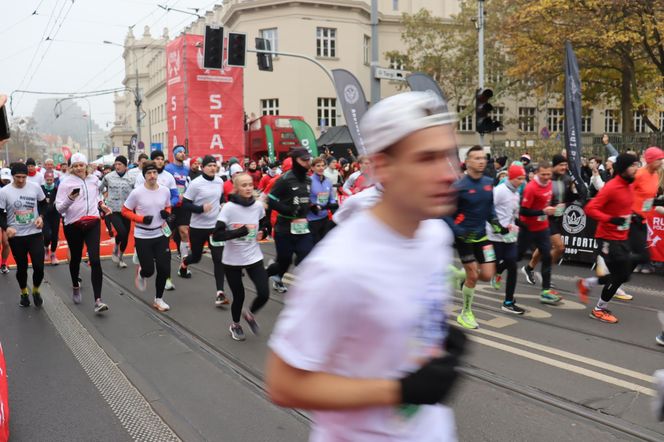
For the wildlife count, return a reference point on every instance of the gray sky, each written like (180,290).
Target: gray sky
(76,60)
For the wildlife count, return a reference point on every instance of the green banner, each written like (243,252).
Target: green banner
(306,136)
(269,139)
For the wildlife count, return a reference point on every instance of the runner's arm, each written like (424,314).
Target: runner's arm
(594,208)
(221,233)
(3,219)
(278,191)
(189,205)
(130,214)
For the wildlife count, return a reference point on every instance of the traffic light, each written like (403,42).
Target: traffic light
(237,49)
(264,60)
(213,47)
(484,124)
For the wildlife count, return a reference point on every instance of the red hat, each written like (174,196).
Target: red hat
(653,154)
(515,171)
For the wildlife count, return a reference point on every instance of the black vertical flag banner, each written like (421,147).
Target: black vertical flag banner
(353,104)
(421,82)
(573,118)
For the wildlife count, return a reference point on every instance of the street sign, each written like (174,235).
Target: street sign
(116,150)
(155,146)
(391,74)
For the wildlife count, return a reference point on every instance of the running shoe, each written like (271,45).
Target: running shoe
(279,287)
(36,298)
(549,297)
(100,306)
(184,272)
(76,294)
(582,290)
(603,315)
(160,305)
(221,299)
(622,296)
(122,264)
(496,282)
(54,259)
(511,307)
(647,269)
(529,274)
(140,282)
(467,320)
(135,260)
(25,300)
(115,256)
(47,254)
(660,338)
(169,285)
(4,269)
(236,332)
(251,320)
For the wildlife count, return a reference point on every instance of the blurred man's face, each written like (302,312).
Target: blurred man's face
(476,161)
(333,164)
(31,168)
(605,139)
(49,180)
(319,168)
(20,180)
(544,174)
(120,167)
(195,166)
(151,176)
(159,162)
(419,171)
(560,168)
(180,156)
(48,165)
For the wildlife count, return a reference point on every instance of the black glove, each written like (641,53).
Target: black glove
(332,207)
(618,221)
(148,219)
(430,384)
(165,214)
(456,342)
(314,209)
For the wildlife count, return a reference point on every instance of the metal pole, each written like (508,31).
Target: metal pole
(375,82)
(138,98)
(304,57)
(480,38)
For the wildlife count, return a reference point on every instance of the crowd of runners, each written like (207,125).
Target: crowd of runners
(422,204)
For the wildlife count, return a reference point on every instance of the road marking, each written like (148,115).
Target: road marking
(568,355)
(565,366)
(532,312)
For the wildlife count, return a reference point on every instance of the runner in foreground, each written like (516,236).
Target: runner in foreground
(363,341)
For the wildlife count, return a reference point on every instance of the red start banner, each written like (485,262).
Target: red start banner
(656,237)
(4,400)
(205,106)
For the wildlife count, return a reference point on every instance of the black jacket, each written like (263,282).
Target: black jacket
(290,198)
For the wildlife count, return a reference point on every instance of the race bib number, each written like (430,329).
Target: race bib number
(251,236)
(214,243)
(489,253)
(166,230)
(541,218)
(24,217)
(181,189)
(560,209)
(510,237)
(647,205)
(323,198)
(299,226)
(625,225)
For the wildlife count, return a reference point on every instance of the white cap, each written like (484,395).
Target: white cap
(79,158)
(5,174)
(235,168)
(394,118)
(613,159)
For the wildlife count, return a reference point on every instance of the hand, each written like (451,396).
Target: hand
(207,207)
(164,214)
(11,232)
(39,222)
(314,209)
(147,219)
(260,236)
(549,210)
(431,383)
(617,220)
(104,208)
(513,228)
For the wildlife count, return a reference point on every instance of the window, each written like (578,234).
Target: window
(326,42)
(465,122)
(367,49)
(327,112)
(527,119)
(397,63)
(270,34)
(611,125)
(555,120)
(498,114)
(395,5)
(639,124)
(586,120)
(270,106)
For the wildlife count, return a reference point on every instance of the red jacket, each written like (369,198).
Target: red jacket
(536,197)
(614,200)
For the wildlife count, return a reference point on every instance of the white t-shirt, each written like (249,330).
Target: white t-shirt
(164,178)
(360,201)
(37,179)
(21,207)
(245,250)
(202,191)
(506,204)
(149,202)
(363,319)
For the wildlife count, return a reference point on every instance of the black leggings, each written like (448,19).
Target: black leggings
(288,244)
(122,226)
(22,246)
(506,259)
(51,230)
(620,261)
(258,276)
(318,229)
(197,239)
(542,241)
(76,237)
(154,253)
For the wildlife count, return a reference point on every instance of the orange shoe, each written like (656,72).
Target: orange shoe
(603,315)
(582,290)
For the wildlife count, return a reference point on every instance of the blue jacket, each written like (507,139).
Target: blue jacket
(474,208)
(322,195)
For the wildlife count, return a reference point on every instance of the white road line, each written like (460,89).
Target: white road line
(568,355)
(565,366)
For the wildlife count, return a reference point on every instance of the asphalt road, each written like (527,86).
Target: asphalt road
(551,375)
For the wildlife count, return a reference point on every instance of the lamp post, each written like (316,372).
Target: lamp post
(89,119)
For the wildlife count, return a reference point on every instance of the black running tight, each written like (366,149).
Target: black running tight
(76,238)
(197,239)
(258,276)
(154,254)
(122,226)
(22,246)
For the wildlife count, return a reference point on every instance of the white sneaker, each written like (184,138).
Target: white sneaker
(140,282)
(169,285)
(135,259)
(114,257)
(54,259)
(160,305)
(122,264)
(621,295)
